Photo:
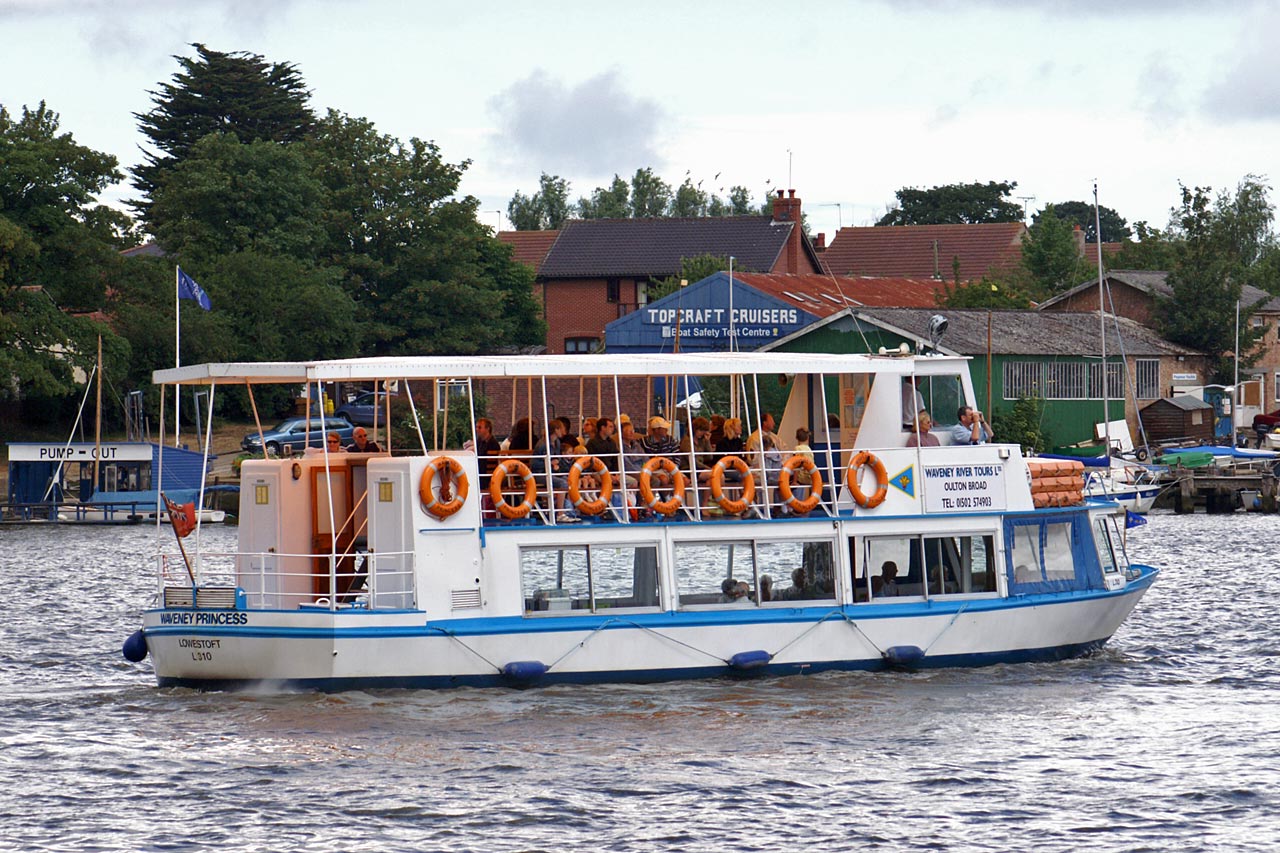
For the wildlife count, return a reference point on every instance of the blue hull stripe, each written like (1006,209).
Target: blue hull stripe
(637,676)
(510,625)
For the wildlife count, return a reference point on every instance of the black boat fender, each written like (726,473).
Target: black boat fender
(135,647)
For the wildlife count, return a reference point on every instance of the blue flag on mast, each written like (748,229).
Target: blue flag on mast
(188,289)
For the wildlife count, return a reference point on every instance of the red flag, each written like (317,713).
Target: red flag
(183,518)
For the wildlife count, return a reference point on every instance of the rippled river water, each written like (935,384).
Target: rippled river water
(1169,739)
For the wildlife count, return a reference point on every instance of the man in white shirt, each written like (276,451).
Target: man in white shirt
(972,429)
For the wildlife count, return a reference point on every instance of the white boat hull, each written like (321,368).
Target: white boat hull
(351,649)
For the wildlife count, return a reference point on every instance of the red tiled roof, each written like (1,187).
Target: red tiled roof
(824,295)
(908,250)
(530,247)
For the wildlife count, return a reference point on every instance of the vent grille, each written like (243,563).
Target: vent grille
(216,597)
(177,596)
(464,598)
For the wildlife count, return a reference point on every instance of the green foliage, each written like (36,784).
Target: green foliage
(691,269)
(1051,257)
(1153,250)
(1222,243)
(988,292)
(225,197)
(545,210)
(689,200)
(217,92)
(404,432)
(612,202)
(650,195)
(1024,425)
(955,204)
(1114,227)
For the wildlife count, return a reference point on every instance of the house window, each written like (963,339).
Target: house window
(446,388)
(1147,378)
(1065,380)
(612,289)
(1115,381)
(1022,379)
(642,293)
(1277,389)
(581,345)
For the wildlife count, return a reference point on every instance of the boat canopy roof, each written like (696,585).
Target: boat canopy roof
(604,364)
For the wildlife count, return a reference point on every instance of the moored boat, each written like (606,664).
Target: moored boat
(365,570)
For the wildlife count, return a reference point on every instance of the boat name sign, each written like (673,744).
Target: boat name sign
(79,452)
(963,488)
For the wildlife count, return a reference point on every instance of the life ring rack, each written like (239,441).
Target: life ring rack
(874,500)
(513,468)
(448,469)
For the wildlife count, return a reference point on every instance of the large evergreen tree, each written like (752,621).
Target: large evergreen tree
(218,92)
(1114,226)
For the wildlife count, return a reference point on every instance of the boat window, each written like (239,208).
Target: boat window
(1025,554)
(705,570)
(1058,562)
(943,396)
(573,579)
(929,565)
(1103,541)
(797,570)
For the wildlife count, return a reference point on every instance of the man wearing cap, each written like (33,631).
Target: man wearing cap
(658,442)
(360,443)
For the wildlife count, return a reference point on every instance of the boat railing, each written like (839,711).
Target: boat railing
(75,511)
(552,503)
(278,581)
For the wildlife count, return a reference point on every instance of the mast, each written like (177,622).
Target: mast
(97,421)
(1102,325)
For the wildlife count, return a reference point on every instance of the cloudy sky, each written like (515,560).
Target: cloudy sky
(844,101)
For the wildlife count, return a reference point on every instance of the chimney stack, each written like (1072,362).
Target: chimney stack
(786,208)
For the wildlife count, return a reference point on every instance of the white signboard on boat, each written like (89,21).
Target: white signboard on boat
(78,451)
(964,487)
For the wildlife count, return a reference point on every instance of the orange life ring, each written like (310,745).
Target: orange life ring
(810,503)
(882,480)
(717,484)
(513,467)
(667,507)
(590,463)
(446,467)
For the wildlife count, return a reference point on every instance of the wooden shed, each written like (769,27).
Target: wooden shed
(1183,418)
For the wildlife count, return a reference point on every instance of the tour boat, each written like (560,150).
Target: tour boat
(407,568)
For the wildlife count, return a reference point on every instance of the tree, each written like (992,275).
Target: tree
(1220,241)
(1051,257)
(650,195)
(988,292)
(545,210)
(955,204)
(1024,425)
(225,197)
(1114,227)
(57,238)
(689,200)
(217,92)
(691,269)
(1153,250)
(612,202)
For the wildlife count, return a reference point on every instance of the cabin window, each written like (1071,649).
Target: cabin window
(1058,547)
(589,578)
(1103,541)
(935,566)
(1049,554)
(1147,378)
(745,573)
(941,396)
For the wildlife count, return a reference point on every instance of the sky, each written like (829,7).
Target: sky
(846,102)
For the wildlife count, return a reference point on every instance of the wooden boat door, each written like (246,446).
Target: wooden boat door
(331,532)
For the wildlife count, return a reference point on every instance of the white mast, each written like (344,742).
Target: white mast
(177,357)
(1102,324)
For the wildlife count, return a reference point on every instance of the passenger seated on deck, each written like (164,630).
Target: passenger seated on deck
(796,591)
(360,442)
(734,592)
(920,436)
(766,589)
(333,443)
(886,583)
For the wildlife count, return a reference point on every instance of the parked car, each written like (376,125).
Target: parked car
(293,433)
(360,409)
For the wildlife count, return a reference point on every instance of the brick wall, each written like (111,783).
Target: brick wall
(1129,302)
(569,398)
(578,308)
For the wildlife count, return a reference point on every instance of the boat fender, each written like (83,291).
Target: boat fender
(903,657)
(750,660)
(525,670)
(135,647)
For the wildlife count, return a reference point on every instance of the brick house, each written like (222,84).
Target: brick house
(926,251)
(1134,294)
